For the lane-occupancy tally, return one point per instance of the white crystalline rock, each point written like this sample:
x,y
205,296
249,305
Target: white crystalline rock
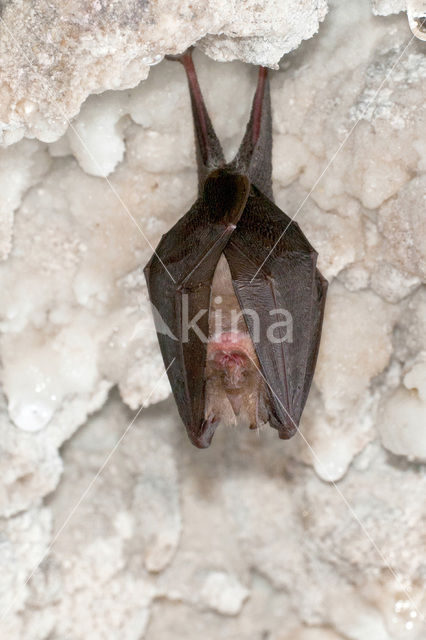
x,y
38,377
402,413
416,13
20,168
223,593
391,284
98,559
53,56
313,634
30,463
259,541
359,327
63,304
403,224
249,538
96,139
415,378
386,7
327,528
402,423
25,540
356,347
255,26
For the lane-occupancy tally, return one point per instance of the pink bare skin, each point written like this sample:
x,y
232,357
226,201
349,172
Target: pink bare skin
x,y
235,391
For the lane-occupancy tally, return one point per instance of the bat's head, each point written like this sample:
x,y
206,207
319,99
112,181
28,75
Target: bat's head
x,y
234,387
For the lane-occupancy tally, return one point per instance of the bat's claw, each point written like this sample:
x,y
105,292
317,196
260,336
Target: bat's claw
x,y
179,57
286,433
203,438
286,430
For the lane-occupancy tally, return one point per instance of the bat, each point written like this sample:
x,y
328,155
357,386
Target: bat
x,y
235,284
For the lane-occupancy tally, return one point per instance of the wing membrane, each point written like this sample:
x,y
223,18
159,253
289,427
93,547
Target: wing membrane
x,y
267,279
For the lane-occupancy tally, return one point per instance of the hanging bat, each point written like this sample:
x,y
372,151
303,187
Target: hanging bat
x,y
223,275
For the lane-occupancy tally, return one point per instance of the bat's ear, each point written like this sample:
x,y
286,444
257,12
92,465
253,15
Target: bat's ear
x,y
209,152
254,156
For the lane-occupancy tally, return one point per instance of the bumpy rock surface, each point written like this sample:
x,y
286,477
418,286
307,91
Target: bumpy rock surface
x,y
53,55
386,7
122,529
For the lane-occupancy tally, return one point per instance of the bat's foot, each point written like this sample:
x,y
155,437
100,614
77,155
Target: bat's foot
x,y
203,438
181,57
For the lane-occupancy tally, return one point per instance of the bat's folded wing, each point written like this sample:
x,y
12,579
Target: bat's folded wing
x,y
274,274
179,278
